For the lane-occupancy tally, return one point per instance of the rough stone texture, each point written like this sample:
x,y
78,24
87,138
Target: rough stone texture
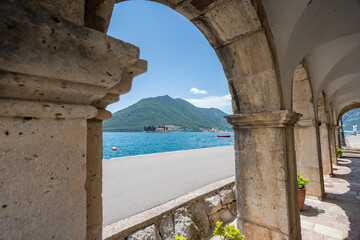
x,y
324,136
213,218
47,46
43,171
184,226
93,184
308,161
70,10
332,144
212,204
233,19
260,153
225,215
325,149
232,208
195,210
226,196
250,71
53,71
167,228
98,14
149,233
307,136
200,218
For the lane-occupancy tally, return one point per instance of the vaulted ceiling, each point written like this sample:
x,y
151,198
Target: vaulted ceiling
x,y
327,34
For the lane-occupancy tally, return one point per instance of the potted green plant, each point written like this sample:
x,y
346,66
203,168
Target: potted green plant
x,y
339,152
302,182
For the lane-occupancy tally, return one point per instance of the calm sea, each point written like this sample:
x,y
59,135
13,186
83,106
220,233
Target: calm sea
x,y
136,143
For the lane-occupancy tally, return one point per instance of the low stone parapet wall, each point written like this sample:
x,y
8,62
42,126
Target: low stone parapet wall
x,y
193,215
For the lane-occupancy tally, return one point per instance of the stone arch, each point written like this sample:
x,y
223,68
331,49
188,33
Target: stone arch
x,y
239,34
307,141
241,37
345,110
88,70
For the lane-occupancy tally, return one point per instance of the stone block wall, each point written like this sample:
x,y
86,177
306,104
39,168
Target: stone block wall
x,y
193,216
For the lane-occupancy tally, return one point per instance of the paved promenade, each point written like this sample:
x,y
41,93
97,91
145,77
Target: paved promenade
x,y
134,184
353,141
338,216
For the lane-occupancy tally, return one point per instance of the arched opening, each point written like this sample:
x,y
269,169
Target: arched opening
x,y
60,71
241,42
182,69
349,122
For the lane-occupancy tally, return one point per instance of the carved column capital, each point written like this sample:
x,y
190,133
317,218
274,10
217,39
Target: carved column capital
x,y
307,123
53,68
274,119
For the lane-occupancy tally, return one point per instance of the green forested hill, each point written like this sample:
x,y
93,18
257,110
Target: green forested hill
x,y
350,118
158,111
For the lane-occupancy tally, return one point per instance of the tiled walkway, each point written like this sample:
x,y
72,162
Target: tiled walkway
x,y
338,216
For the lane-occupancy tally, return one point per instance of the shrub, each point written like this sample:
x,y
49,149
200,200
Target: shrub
x,y
227,232
302,182
179,238
339,151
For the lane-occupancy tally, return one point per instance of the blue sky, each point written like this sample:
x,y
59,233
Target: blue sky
x,y
181,62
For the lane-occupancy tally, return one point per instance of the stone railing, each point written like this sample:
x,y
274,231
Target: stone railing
x,y
193,215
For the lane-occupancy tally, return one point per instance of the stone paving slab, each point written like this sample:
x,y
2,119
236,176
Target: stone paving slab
x,y
338,216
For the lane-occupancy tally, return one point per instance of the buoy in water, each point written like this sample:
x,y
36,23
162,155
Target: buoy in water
x,y
114,148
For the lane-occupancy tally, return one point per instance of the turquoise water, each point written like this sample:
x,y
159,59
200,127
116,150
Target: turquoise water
x,y
136,143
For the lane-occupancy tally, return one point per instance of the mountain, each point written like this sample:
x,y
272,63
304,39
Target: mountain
x,y
158,111
350,118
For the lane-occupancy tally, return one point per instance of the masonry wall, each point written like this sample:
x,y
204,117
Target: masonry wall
x,y
193,216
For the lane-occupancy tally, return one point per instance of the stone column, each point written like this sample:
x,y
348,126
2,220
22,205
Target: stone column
x,y
325,149
308,156
52,73
332,139
337,136
93,184
266,175
307,137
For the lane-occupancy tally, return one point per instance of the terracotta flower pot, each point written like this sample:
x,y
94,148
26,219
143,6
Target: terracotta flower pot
x,y
301,196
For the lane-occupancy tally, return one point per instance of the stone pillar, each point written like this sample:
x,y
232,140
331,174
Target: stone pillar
x,y
93,184
266,175
308,156
332,139
307,137
325,149
337,136
52,74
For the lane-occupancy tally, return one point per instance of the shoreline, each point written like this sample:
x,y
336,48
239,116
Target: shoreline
x,y
161,153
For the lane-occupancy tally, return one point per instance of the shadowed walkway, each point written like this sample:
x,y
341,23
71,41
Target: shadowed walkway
x,y
338,216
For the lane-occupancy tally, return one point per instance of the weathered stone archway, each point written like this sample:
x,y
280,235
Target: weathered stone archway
x,y
76,71
241,40
307,141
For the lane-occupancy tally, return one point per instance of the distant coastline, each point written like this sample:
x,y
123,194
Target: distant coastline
x,y
140,143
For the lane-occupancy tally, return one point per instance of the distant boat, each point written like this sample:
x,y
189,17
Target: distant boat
x,y
223,135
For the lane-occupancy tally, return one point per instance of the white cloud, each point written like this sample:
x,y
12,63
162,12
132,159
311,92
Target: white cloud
x,y
221,102
194,90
